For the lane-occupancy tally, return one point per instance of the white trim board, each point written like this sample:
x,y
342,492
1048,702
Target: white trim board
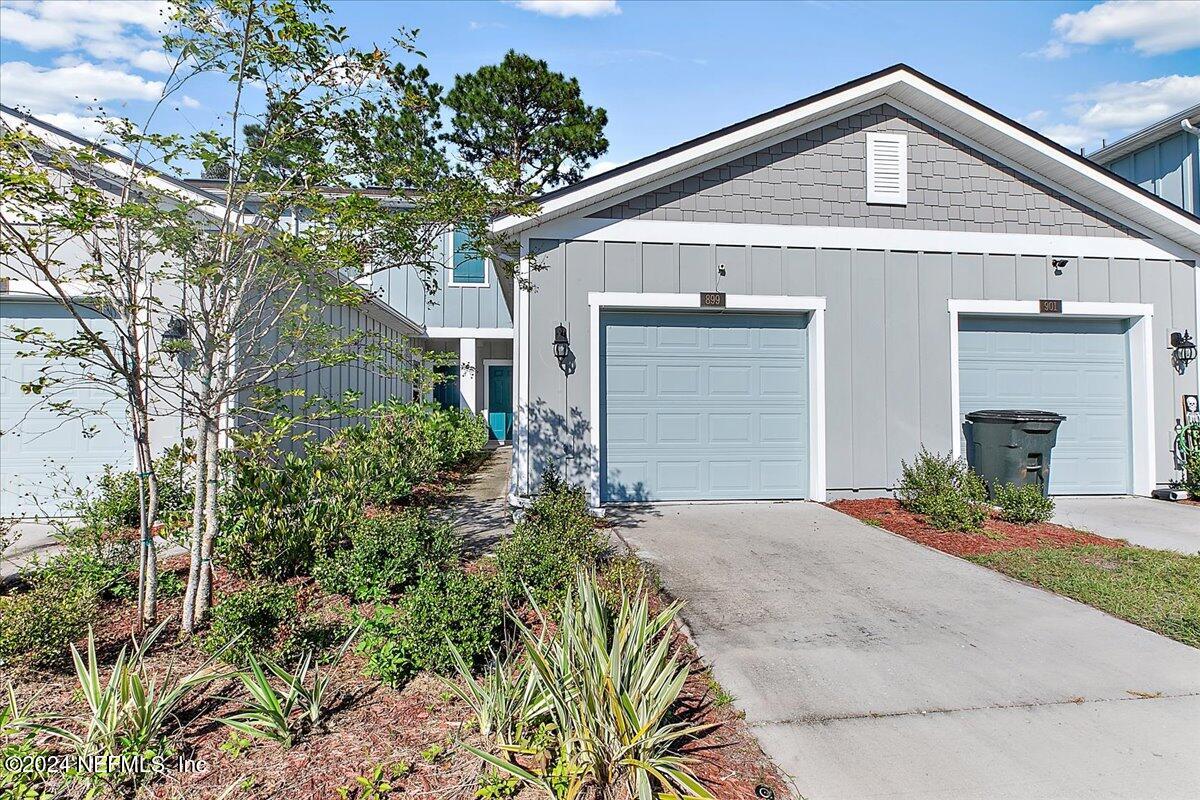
x,y
1141,377
815,306
765,235
488,363
467,333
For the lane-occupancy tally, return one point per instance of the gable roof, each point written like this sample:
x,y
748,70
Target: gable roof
x,y
973,121
1162,129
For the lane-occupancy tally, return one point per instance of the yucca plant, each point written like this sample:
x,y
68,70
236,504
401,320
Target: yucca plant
x,y
269,715
132,713
610,682
507,700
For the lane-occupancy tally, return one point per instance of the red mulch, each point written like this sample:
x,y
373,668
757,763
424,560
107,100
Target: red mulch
x,y
996,535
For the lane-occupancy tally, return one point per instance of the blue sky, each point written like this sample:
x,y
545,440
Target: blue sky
x,y
668,71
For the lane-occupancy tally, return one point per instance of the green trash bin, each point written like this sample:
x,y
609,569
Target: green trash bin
x,y
1010,446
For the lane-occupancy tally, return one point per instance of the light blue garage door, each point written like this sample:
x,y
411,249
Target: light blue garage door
x,y
704,406
1078,368
41,452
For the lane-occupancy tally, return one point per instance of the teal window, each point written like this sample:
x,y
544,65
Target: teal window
x,y
468,268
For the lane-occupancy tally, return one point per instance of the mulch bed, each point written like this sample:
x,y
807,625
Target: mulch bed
x,y
413,733
997,535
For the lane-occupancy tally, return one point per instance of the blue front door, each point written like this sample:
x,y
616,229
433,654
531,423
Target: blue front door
x,y
500,410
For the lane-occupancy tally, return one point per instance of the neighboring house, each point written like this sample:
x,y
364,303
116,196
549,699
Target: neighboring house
x,y
878,254
40,451
1163,158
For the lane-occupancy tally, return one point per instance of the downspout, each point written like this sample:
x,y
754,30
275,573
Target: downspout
x,y
1189,128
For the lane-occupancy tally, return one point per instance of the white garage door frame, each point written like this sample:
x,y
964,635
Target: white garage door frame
x,y
656,301
1141,316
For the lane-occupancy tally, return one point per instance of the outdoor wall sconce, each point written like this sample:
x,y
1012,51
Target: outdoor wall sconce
x,y
562,349
1184,350
1059,264
175,342
562,344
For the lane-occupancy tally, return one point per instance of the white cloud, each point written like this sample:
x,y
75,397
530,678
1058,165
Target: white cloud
x,y
1118,106
109,30
1115,109
601,166
1154,27
570,8
153,61
1033,117
89,127
51,90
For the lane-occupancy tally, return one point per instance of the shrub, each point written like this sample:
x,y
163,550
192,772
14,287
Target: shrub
x,y
111,504
405,444
316,635
36,626
104,559
446,608
945,490
556,538
385,555
247,622
1024,505
285,504
280,511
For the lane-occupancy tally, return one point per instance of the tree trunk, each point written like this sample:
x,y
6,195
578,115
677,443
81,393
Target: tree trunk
x,y
199,486
204,594
150,610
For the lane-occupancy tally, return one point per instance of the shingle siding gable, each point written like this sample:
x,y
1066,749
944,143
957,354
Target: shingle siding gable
x,y
819,178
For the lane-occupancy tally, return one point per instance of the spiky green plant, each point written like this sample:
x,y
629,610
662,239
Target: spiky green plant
x,y
610,682
133,713
269,714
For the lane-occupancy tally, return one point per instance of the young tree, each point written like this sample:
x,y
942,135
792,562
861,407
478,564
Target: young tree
x,y
77,227
297,233
526,124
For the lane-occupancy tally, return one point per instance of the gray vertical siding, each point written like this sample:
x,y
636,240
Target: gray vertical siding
x,y
887,357
448,306
374,380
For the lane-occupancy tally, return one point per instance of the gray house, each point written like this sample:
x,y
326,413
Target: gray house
x,y
789,306
41,453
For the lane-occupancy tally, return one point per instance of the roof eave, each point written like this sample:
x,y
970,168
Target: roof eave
x,y
972,120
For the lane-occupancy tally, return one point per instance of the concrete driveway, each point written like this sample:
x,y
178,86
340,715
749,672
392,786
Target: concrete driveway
x,y
873,667
1151,523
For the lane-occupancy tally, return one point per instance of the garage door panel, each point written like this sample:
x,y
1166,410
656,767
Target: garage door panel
x,y
725,408
40,450
1078,368
677,429
727,381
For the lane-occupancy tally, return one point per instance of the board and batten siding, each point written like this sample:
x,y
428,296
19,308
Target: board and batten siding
x,y
448,306
375,380
887,357
1170,168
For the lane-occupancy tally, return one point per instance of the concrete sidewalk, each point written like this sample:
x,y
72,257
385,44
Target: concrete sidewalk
x,y
1150,523
873,667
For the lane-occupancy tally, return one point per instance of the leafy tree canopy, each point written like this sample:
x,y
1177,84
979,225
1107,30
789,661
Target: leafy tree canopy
x,y
527,125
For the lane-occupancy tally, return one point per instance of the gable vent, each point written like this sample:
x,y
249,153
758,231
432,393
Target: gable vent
x,y
887,168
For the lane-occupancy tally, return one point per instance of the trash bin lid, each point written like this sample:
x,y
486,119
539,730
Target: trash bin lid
x,y
1014,415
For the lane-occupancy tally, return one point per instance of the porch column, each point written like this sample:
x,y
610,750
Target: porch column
x,y
468,369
